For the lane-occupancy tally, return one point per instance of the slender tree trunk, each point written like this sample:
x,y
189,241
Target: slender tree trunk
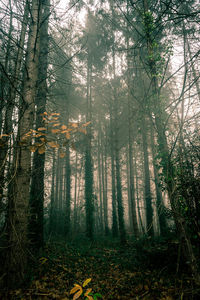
x,y
128,191
114,202
147,186
104,184
137,195
3,82
16,261
11,97
60,223
68,192
132,200
52,204
120,208
57,185
132,187
159,198
75,193
79,202
37,186
100,176
89,197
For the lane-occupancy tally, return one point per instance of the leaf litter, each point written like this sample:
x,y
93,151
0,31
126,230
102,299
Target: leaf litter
x,y
112,273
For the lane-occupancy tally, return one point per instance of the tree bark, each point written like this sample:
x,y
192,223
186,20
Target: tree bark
x,y
7,129
37,186
147,184
16,260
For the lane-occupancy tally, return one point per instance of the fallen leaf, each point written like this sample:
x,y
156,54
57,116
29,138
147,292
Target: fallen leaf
x,y
86,282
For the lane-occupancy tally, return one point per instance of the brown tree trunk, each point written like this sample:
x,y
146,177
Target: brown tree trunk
x,y
7,129
147,185
37,185
16,260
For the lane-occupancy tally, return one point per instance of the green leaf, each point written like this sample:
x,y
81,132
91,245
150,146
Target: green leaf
x,y
97,295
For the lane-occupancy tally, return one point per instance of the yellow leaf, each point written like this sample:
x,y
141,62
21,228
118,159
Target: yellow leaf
x,y
45,113
63,127
83,130
43,260
86,281
75,125
43,139
55,114
64,131
53,144
87,292
67,135
75,289
56,124
62,154
55,130
41,149
86,124
38,144
77,295
39,134
33,148
41,128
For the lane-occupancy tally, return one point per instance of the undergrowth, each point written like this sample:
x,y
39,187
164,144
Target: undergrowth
x,y
140,269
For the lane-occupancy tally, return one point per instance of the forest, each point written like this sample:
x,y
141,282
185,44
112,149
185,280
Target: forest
x,y
99,149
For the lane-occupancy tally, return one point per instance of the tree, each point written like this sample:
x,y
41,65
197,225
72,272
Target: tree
x,y
37,181
17,220
168,168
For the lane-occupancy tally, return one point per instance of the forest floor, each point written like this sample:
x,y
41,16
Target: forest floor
x,y
135,271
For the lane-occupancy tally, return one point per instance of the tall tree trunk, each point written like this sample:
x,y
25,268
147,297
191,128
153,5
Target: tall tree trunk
x,y
67,205
75,193
79,202
3,82
132,184
52,204
104,183
120,208
128,191
16,260
147,185
114,202
137,196
89,197
37,186
99,150
159,198
60,220
7,129
132,200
